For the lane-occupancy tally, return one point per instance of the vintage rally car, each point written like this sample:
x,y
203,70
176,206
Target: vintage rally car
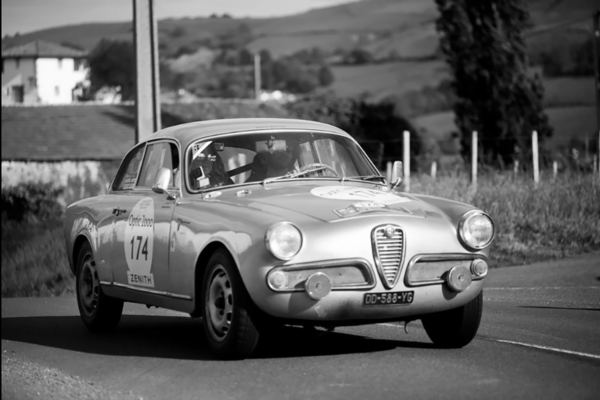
x,y
252,224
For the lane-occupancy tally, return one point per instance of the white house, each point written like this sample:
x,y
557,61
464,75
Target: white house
x,y
42,73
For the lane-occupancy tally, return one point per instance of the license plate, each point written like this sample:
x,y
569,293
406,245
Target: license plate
x,y
388,299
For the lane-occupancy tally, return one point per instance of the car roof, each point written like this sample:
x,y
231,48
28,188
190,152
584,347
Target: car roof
x,y
190,132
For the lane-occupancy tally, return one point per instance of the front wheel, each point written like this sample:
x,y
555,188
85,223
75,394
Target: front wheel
x,y
229,328
457,327
99,312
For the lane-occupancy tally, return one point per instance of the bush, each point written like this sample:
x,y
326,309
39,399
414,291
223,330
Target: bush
x,y
31,202
369,123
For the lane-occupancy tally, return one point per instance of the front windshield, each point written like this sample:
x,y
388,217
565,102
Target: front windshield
x,y
246,158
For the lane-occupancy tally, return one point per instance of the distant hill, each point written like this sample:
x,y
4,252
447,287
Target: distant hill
x,y
402,28
405,27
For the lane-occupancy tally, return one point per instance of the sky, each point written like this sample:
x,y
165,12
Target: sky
x,y
26,16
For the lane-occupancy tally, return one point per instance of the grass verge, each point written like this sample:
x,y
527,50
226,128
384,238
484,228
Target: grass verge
x,y
553,219
34,260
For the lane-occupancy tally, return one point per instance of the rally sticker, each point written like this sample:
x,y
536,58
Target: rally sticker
x,y
358,194
367,206
139,243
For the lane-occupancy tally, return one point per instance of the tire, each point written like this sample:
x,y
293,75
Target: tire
x,y
457,327
99,312
226,309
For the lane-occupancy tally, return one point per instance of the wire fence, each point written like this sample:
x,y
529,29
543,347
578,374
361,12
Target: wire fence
x,y
528,160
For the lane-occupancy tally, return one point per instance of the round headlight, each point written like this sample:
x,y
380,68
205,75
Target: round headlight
x,y
283,240
476,230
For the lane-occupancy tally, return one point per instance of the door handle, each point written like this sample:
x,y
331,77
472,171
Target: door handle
x,y
118,211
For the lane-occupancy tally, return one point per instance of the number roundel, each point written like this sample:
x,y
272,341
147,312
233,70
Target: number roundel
x,y
139,243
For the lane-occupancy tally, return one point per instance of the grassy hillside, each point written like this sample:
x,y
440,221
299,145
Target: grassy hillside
x,y
381,80
568,122
382,26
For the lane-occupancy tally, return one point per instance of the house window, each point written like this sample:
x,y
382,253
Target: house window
x,y
17,62
32,81
56,90
59,63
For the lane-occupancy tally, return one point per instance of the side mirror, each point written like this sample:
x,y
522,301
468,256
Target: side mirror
x,y
396,174
161,184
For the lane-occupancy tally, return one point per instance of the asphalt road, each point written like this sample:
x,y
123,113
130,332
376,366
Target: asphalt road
x,y
539,338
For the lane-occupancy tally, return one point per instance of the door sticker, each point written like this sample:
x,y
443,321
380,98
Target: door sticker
x,y
358,194
139,243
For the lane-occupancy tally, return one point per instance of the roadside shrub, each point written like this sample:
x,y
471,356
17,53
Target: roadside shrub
x,y
31,202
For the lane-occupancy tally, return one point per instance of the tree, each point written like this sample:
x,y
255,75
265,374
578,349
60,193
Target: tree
x,y
112,64
325,76
482,42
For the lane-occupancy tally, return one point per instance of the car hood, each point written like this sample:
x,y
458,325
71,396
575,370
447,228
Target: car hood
x,y
330,202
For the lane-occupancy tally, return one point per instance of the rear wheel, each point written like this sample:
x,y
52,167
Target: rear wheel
x,y
226,316
99,312
457,327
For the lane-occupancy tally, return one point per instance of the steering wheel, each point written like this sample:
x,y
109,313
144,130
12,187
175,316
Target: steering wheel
x,y
318,165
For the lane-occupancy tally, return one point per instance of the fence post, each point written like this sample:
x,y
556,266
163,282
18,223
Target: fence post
x,y
554,169
474,159
516,167
406,148
534,148
257,77
433,169
388,171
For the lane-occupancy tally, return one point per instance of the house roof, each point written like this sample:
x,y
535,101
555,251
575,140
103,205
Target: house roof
x,y
40,48
53,133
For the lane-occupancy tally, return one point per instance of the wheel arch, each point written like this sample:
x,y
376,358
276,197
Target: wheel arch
x,y
199,269
79,241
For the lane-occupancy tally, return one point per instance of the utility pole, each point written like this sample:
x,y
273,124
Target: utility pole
x,y
147,85
257,78
597,67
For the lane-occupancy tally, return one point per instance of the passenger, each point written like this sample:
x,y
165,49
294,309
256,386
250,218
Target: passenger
x,y
207,170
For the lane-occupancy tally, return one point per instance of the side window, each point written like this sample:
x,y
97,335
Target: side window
x,y
160,155
128,173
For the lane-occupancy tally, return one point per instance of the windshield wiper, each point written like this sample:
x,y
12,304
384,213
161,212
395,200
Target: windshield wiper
x,y
368,178
291,175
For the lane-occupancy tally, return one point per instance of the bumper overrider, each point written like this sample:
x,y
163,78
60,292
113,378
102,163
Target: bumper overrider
x,y
350,290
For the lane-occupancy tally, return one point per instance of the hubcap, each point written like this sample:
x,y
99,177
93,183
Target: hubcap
x,y
89,285
219,303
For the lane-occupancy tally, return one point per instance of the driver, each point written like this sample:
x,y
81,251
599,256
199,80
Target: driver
x,y
279,162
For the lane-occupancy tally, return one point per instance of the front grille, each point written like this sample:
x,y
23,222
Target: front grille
x,y
388,251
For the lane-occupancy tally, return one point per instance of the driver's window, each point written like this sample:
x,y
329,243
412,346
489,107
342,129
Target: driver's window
x,y
160,155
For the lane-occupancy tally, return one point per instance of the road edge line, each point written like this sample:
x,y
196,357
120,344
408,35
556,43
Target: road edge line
x,y
577,353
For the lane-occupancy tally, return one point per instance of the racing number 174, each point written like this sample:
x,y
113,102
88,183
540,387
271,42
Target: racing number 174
x,y
144,249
